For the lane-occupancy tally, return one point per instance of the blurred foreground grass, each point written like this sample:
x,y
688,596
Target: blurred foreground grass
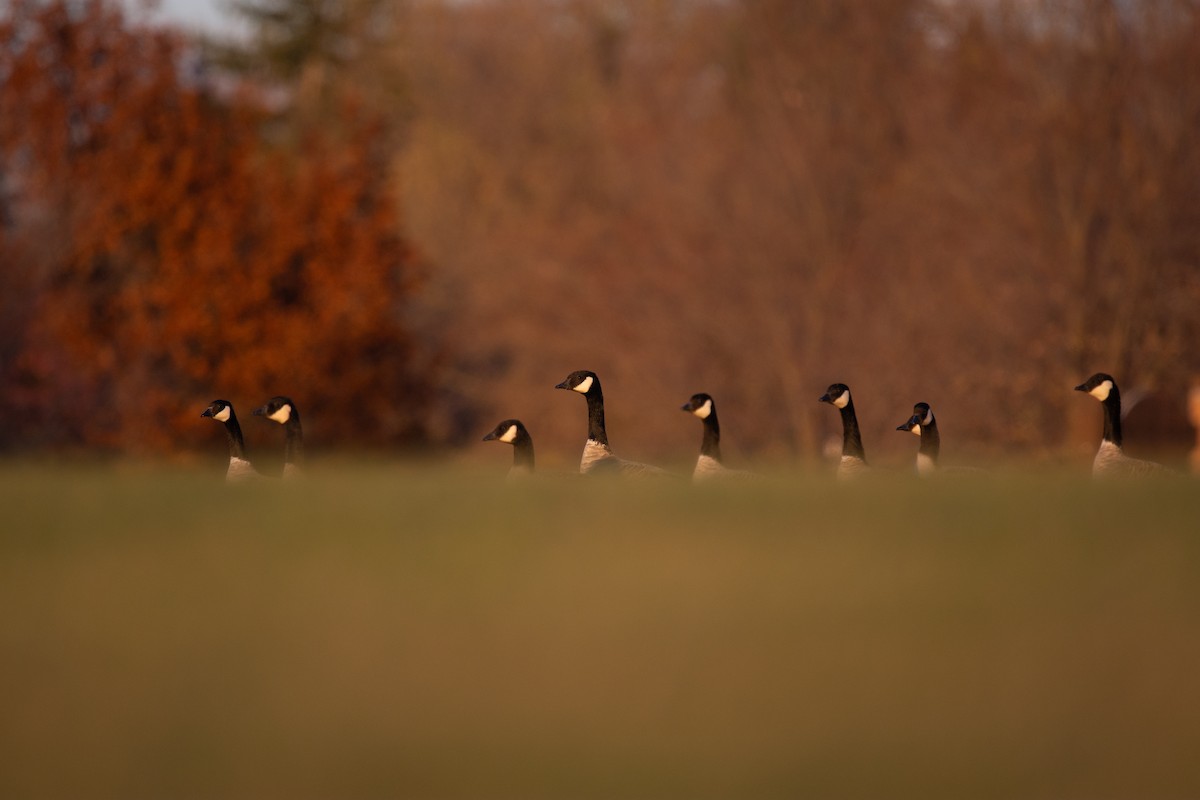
x,y
393,632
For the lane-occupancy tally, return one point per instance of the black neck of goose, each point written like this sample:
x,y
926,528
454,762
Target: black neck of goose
x,y
1112,417
710,445
293,450
595,401
931,440
851,438
523,451
233,431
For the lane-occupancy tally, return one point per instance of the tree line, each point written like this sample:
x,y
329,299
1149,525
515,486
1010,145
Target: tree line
x,y
420,214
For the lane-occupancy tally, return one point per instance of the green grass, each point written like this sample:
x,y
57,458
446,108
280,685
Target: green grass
x,y
386,632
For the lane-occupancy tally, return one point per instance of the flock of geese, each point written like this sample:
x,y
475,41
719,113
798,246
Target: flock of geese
x,y
599,459
278,409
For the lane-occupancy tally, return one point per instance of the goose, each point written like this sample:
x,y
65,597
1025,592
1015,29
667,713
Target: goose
x,y
511,431
283,410
1111,460
854,460
240,468
709,465
924,424
598,457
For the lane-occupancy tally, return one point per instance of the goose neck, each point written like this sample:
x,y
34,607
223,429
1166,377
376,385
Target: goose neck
x,y
237,444
523,453
931,441
710,445
293,452
1112,417
851,437
595,403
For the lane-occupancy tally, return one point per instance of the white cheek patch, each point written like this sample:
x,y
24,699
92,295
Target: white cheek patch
x,y
705,410
928,418
1102,391
509,435
843,400
222,415
282,415
916,429
584,386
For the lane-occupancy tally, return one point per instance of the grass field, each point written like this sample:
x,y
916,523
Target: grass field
x,y
394,632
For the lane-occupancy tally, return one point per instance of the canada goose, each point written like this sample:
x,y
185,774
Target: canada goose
x,y
511,431
598,457
283,410
924,425
709,464
240,467
1111,460
854,460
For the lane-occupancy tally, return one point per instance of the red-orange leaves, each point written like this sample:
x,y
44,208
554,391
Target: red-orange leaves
x,y
165,251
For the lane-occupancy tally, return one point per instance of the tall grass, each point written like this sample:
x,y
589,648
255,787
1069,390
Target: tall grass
x,y
390,632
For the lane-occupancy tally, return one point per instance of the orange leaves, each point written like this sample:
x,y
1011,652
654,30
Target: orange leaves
x,y
187,255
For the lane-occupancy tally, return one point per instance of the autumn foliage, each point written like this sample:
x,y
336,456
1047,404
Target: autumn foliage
x,y
160,249
970,204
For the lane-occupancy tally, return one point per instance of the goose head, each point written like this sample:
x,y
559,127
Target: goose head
x,y
220,410
278,409
1099,386
583,381
507,431
837,395
922,415
700,404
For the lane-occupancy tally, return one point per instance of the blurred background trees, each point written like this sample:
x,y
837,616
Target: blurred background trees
x,y
160,248
971,204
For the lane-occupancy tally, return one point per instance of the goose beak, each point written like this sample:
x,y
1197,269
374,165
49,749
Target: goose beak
x,y
492,435
1081,388
912,423
206,412
825,398
562,385
686,407
260,412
